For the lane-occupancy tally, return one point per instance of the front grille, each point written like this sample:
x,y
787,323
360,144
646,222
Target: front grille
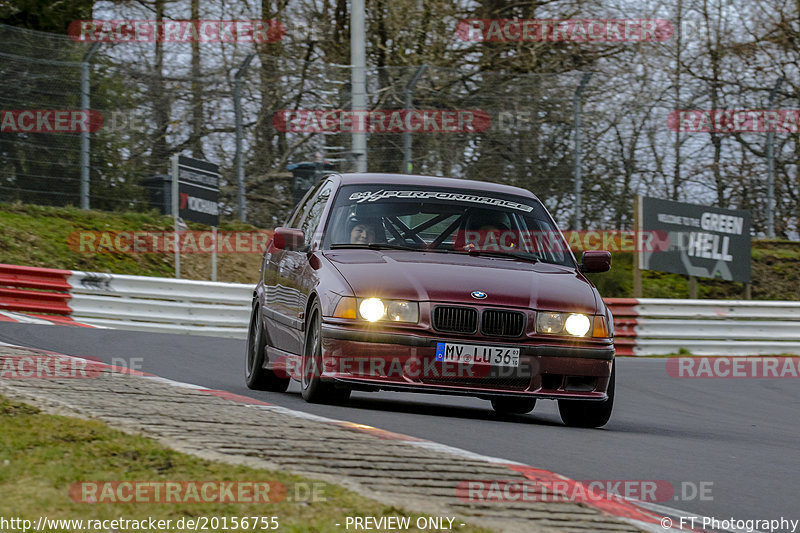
x,y
455,319
498,323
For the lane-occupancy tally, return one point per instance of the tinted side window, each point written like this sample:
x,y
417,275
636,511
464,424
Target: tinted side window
x,y
313,211
302,207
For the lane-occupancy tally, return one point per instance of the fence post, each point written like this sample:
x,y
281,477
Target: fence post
x,y
85,159
358,84
637,253
771,166
174,192
408,104
237,110
576,122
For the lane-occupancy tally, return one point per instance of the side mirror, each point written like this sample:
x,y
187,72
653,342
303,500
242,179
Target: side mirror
x,y
288,239
595,261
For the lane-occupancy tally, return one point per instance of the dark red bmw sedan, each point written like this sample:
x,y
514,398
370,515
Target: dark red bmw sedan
x,y
435,285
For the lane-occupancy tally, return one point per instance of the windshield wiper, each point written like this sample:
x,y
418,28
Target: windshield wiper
x,y
499,253
376,246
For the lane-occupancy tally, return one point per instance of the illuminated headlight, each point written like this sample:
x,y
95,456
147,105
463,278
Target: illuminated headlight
x,y
374,309
553,323
577,325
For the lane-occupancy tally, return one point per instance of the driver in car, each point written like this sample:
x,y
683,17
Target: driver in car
x,y
489,229
361,231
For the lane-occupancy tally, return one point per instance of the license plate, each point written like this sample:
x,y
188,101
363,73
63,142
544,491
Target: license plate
x,y
476,354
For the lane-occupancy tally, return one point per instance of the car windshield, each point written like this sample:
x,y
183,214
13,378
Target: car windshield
x,y
445,220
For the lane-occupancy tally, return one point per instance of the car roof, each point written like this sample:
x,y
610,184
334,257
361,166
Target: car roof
x,y
434,181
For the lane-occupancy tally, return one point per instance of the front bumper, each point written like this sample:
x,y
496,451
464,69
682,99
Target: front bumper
x,y
407,362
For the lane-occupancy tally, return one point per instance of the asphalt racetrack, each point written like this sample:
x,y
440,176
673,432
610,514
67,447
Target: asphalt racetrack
x,y
738,438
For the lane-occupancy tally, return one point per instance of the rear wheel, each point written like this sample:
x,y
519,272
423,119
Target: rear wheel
x,y
258,377
314,390
582,414
513,406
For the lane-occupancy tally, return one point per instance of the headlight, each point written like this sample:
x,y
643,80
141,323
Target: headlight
x,y
376,309
577,325
553,323
372,309
402,311
547,322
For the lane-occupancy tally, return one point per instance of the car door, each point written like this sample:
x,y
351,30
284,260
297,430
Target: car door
x,y
292,277
280,297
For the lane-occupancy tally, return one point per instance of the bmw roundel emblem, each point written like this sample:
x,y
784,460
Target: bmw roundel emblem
x,y
480,295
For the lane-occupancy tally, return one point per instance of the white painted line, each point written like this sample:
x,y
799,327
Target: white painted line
x,y
174,383
25,319
444,448
296,414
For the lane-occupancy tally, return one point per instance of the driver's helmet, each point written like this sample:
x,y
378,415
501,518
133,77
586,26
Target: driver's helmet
x,y
481,218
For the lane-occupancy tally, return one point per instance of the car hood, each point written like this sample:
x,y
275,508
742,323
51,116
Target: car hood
x,y
440,277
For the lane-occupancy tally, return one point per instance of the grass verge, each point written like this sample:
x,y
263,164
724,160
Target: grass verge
x,y
35,235
42,455
774,277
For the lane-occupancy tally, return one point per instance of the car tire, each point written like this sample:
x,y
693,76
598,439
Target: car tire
x,y
312,388
582,414
256,376
513,406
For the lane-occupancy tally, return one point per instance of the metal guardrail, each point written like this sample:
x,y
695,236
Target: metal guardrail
x,y
31,289
164,305
642,326
649,326
138,303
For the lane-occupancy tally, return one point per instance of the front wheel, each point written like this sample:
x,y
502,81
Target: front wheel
x,y
582,414
313,389
513,406
256,376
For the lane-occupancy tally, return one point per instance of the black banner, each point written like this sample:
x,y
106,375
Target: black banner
x,y
198,191
706,242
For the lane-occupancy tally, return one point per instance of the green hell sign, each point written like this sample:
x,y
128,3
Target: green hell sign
x,y
706,242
